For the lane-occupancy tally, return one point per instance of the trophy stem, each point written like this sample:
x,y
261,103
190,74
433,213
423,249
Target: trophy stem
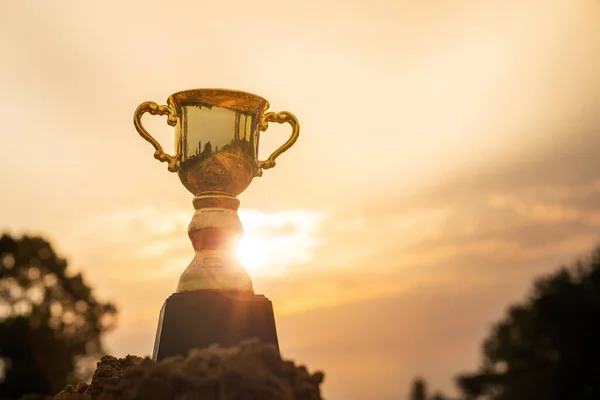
x,y
215,301
215,231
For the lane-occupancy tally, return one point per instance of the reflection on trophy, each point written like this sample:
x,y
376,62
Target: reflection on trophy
x,y
216,157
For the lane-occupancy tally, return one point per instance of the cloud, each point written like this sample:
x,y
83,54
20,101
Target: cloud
x,y
424,306
316,259
389,291
519,222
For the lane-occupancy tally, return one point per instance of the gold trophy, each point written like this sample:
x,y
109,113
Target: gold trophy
x,y
216,157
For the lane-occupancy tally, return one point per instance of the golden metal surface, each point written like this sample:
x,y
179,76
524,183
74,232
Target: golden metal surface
x,y
154,109
280,118
216,157
216,138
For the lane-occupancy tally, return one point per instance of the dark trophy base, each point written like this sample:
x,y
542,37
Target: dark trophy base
x,y
200,318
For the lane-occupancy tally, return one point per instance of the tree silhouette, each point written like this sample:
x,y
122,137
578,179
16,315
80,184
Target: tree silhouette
x,y
548,347
50,322
207,149
419,390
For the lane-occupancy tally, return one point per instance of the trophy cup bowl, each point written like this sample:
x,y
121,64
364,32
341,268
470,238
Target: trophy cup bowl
x,y
216,138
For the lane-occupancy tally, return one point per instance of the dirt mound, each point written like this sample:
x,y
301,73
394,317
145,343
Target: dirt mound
x,y
252,371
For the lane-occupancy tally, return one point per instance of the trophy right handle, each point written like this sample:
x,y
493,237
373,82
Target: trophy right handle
x,y
154,109
280,118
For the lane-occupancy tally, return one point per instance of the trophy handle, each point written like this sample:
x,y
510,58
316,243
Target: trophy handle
x,y
154,109
280,118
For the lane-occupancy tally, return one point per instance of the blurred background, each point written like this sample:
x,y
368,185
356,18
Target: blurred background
x,y
447,157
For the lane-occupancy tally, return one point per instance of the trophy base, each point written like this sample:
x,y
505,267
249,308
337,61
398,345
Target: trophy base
x,y
200,318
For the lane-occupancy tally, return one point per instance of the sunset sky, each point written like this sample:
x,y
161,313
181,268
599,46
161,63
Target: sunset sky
x,y
448,154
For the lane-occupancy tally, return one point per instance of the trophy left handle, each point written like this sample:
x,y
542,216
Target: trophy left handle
x,y
280,118
152,108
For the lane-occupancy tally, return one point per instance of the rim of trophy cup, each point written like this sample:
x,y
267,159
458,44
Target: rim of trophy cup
x,y
228,98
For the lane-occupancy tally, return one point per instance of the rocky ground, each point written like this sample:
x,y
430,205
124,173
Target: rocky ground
x,y
252,371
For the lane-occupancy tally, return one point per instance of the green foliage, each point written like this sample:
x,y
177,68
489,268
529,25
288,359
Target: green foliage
x,y
548,347
50,322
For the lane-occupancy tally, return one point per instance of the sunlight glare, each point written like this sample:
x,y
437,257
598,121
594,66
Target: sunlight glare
x,y
274,242
252,252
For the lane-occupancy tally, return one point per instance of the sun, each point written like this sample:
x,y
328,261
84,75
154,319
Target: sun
x,y
253,252
274,242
